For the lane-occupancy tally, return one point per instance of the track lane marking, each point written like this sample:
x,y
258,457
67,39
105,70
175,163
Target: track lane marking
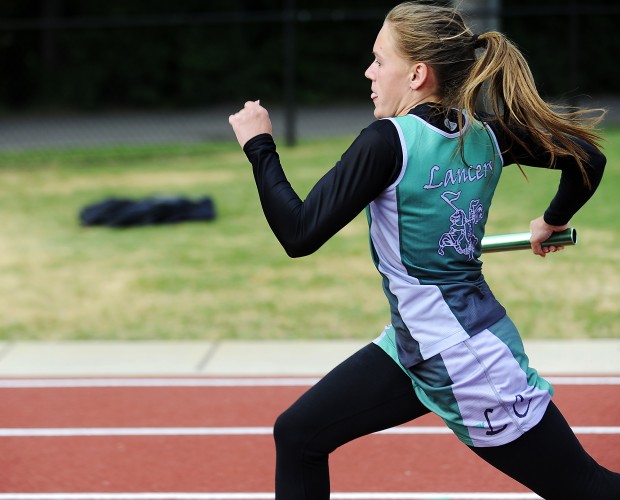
x,y
230,431
52,383
268,496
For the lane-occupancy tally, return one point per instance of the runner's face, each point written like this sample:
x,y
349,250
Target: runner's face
x,y
390,75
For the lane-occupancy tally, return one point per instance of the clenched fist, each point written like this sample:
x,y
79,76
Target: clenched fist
x,y
250,121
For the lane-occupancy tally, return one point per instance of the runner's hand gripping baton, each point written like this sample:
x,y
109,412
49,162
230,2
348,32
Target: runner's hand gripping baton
x,y
521,241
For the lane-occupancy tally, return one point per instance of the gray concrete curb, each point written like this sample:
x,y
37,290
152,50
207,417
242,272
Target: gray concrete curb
x,y
256,358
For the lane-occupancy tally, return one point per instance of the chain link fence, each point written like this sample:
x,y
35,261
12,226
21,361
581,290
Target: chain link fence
x,y
295,112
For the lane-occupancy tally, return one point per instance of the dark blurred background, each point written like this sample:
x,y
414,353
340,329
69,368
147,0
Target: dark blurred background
x,y
90,56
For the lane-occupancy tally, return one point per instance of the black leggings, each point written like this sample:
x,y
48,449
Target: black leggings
x,y
368,392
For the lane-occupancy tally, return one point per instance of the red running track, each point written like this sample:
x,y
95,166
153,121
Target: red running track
x,y
206,438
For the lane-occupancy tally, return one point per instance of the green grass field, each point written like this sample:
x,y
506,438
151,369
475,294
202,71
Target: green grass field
x,y
230,279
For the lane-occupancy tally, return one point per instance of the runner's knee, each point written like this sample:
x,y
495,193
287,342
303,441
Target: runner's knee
x,y
288,431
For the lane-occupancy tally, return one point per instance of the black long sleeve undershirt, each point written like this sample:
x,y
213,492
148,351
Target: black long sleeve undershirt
x,y
363,172
572,191
368,167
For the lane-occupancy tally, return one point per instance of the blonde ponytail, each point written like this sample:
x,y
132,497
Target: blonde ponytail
x,y
502,74
487,73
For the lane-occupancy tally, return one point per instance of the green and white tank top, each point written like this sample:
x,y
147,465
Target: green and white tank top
x,y
425,235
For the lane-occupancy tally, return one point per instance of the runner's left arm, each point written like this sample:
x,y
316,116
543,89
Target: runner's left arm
x,y
369,165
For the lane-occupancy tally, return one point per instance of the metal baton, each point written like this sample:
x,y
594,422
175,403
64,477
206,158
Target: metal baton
x,y
521,241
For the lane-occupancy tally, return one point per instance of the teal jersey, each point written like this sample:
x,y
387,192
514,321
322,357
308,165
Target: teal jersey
x,y
426,231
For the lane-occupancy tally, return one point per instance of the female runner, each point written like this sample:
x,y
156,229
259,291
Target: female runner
x,y
425,172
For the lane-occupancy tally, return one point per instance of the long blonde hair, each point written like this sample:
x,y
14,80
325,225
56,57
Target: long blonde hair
x,y
496,78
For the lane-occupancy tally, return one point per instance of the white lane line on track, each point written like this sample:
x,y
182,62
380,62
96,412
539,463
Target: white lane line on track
x,y
227,431
266,496
52,383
